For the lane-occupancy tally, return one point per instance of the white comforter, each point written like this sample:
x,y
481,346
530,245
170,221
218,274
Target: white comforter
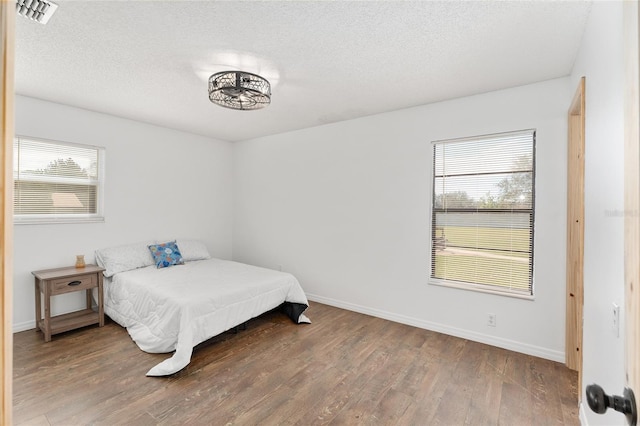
x,y
178,307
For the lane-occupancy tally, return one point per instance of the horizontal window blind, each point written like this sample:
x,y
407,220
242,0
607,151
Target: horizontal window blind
x,y
483,212
56,181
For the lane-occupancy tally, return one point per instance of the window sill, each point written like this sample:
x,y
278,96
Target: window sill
x,y
57,220
479,289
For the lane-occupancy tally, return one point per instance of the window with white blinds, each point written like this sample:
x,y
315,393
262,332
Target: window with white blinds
x,y
483,213
57,181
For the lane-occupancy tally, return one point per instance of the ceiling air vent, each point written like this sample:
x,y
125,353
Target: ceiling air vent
x,y
36,10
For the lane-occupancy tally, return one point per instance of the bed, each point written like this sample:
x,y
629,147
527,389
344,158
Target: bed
x,y
175,307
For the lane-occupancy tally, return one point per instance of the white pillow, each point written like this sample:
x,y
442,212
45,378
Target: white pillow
x,y
192,250
124,258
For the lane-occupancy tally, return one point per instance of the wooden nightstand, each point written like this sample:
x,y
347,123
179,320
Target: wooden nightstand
x,y
50,282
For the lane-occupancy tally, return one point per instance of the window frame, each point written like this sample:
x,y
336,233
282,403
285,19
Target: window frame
x,y
477,287
64,218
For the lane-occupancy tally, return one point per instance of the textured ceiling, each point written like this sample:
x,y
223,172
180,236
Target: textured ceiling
x,y
327,61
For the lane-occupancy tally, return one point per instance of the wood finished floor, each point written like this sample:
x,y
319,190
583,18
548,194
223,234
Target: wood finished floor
x,y
345,368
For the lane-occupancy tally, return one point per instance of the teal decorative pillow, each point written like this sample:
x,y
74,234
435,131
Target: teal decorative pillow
x,y
166,254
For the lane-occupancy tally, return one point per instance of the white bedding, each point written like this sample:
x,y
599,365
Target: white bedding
x,y
178,307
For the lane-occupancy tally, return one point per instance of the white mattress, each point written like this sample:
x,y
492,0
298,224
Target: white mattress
x,y
176,308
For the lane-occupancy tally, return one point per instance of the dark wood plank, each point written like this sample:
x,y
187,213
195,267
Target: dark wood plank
x,y
344,368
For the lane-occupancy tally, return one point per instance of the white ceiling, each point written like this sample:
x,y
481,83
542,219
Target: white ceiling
x,y
327,61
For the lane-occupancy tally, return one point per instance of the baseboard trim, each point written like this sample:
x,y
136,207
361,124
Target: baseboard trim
x,y
500,342
415,322
23,326
583,415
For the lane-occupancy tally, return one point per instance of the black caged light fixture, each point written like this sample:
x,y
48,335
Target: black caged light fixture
x,y
239,90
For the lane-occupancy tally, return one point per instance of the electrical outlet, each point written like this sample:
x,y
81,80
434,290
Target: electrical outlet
x,y
615,324
491,320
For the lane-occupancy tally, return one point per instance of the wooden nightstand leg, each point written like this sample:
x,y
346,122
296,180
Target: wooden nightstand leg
x,y
47,313
100,299
88,294
38,305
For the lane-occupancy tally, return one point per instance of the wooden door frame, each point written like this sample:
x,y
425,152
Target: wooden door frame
x,y
632,196
575,231
7,46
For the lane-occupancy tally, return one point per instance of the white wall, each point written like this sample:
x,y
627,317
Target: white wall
x,y
600,60
345,207
160,183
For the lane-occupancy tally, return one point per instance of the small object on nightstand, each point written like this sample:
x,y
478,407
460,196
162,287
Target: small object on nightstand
x,y
80,261
50,282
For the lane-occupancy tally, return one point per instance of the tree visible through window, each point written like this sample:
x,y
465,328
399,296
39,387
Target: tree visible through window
x,y
55,181
483,212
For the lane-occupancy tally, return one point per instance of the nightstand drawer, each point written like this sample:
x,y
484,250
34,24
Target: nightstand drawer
x,y
80,282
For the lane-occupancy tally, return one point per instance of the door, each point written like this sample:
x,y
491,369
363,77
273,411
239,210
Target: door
x,y
632,196
597,399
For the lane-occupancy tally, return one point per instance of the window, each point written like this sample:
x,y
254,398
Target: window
x,y
483,213
57,181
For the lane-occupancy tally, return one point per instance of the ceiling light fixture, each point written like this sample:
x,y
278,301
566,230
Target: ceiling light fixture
x,y
239,90
36,10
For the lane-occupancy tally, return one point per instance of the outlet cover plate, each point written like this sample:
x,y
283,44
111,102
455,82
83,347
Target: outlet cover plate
x,y
491,320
